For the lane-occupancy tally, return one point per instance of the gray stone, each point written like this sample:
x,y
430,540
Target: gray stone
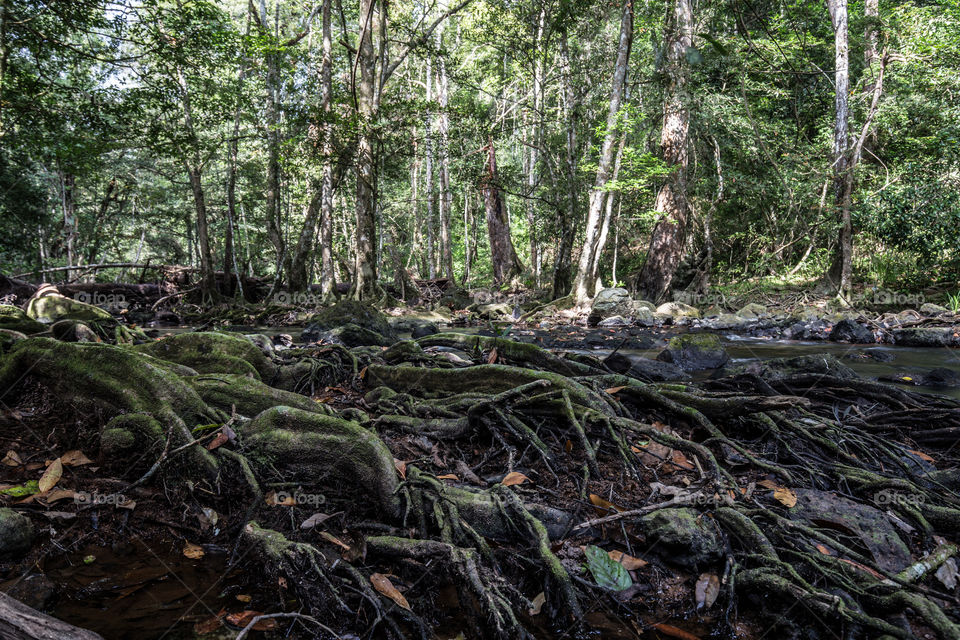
x,y
695,352
613,321
923,337
682,538
930,309
752,310
16,533
678,310
849,331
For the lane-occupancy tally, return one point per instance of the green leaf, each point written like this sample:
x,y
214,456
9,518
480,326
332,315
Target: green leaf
x,y
22,491
607,572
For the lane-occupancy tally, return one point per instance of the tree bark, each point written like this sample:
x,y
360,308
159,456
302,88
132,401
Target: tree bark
x,y
428,172
506,264
274,229
20,622
585,282
71,225
842,267
667,240
567,216
445,200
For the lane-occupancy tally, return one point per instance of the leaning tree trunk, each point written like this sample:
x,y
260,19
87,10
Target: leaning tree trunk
x,y
506,264
585,282
842,267
667,241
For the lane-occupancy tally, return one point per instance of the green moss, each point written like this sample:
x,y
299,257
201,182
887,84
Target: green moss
x,y
114,441
52,307
212,352
249,396
14,319
8,338
352,312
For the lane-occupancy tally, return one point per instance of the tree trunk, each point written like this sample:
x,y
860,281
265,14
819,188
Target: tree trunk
x,y
274,230
506,264
585,282
446,196
328,281
20,622
842,267
365,285
71,225
428,168
567,218
667,240
467,246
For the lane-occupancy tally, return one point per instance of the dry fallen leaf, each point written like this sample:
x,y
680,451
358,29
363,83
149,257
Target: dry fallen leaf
x,y
681,460
923,456
401,468
707,590
538,602
75,458
785,496
825,551
193,551
448,476
218,441
242,597
12,459
244,618
629,562
382,584
948,574
604,507
493,356
514,477
58,494
51,476
211,624
613,390
329,537
674,632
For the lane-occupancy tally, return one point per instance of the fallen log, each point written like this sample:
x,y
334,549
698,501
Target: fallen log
x,y
20,622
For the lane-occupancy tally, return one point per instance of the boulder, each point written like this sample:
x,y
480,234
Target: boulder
x,y
677,310
608,303
47,306
352,335
645,369
14,319
849,331
348,312
695,352
923,337
73,331
644,316
683,538
752,311
776,368
16,533
8,338
613,321
930,309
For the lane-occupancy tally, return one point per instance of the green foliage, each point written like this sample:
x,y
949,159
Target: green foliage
x,y
607,572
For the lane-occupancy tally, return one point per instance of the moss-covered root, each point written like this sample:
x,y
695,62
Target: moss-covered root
x,y
473,581
487,378
116,379
307,447
229,391
210,352
516,353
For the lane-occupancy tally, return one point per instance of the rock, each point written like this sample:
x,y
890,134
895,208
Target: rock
x,y
424,328
726,321
14,319
849,331
876,355
352,335
644,316
8,338
677,310
348,312
16,533
752,311
695,352
930,309
807,330
613,321
923,337
644,304
777,368
682,538
47,306
608,303
73,331
494,311
645,369
262,342
35,590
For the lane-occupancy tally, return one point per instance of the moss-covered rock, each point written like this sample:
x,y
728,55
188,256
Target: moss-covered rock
x,y
14,319
683,538
923,337
695,352
930,309
47,306
115,441
752,311
352,335
348,312
73,331
307,447
677,310
129,431
777,368
8,338
16,533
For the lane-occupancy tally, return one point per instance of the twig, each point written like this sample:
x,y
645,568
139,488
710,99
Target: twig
x,y
642,511
298,616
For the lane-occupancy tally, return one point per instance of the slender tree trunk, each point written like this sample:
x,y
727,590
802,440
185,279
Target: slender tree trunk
x,y
273,199
585,282
4,55
841,270
71,228
567,218
328,281
467,246
428,169
506,264
365,285
445,200
667,240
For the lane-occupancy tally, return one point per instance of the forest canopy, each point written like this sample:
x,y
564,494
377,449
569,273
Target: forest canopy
x,y
654,145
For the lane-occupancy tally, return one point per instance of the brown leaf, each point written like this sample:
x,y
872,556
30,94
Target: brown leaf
x,y
282,499
58,494
785,496
514,477
193,551
242,597
674,632
382,584
538,601
493,356
613,390
363,372
922,456
681,460
401,468
218,441
568,446
822,549
75,458
211,624
12,459
329,537
448,476
51,476
629,562
863,568
244,618
707,590
604,507
314,520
